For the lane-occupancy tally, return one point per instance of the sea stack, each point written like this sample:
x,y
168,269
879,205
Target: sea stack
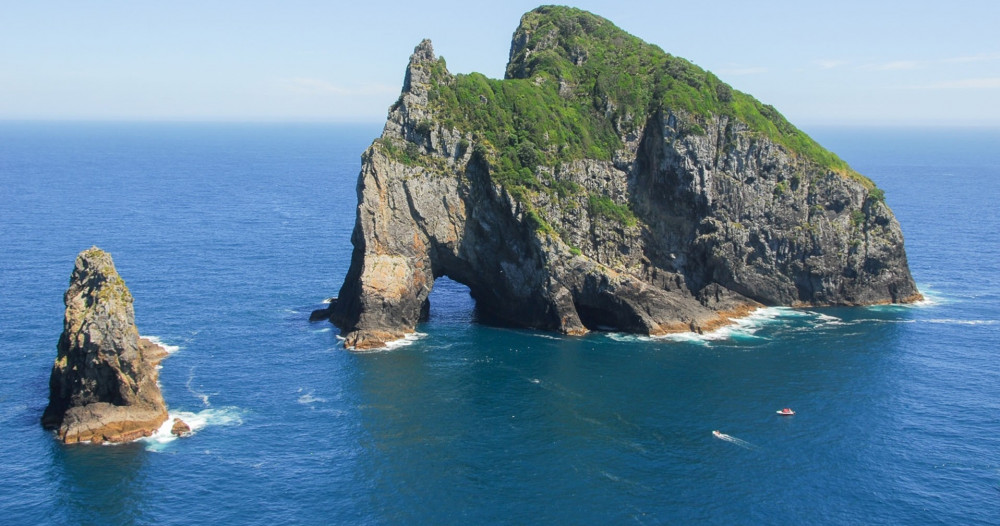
x,y
604,184
103,386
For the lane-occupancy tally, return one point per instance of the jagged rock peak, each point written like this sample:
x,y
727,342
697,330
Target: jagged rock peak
x,y
604,184
103,384
418,70
424,52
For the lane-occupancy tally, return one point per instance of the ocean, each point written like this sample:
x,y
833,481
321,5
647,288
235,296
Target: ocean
x,y
229,235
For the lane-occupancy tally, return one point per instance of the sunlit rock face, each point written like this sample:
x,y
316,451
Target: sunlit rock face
x,y
604,184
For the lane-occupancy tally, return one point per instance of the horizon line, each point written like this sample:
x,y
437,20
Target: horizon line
x,y
373,122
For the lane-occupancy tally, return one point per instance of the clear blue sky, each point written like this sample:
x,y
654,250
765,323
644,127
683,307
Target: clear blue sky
x,y
834,62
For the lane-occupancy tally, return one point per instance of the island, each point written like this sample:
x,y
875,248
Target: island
x,y
103,386
604,184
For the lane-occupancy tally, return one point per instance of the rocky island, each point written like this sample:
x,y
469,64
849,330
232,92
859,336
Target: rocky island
x,y
604,184
103,383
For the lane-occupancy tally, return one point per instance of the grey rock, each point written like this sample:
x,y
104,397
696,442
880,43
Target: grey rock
x,y
726,221
103,385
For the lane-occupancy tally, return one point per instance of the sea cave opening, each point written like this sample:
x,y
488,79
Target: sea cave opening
x,y
598,319
451,303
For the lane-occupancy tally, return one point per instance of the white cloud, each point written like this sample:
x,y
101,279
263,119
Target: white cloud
x,y
321,87
895,65
980,83
905,65
734,72
982,57
830,64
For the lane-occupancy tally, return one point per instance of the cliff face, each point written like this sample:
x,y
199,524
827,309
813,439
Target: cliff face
x,y
604,184
103,383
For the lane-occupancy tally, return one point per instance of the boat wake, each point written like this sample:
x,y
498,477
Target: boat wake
x,y
202,396
733,440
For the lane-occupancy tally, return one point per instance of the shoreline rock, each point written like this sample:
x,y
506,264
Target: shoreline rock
x,y
103,386
180,428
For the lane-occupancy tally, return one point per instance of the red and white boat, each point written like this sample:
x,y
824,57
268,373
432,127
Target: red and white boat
x,y
786,412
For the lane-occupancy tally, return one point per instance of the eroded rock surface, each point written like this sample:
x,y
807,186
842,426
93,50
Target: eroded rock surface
x,y
695,216
180,428
103,383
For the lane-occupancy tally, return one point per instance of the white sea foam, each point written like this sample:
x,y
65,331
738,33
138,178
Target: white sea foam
x,y
931,298
949,321
202,396
409,339
739,328
324,329
171,349
745,327
328,300
226,416
308,398
829,320
623,337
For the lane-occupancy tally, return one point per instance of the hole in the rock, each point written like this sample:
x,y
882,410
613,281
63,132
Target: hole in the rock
x,y
451,302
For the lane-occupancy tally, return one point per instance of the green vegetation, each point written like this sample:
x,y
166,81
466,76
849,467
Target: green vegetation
x,y
113,289
608,68
538,222
576,85
602,205
408,155
857,218
424,127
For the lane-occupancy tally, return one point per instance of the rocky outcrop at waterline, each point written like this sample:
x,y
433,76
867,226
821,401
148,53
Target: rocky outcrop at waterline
x,y
103,385
604,184
180,428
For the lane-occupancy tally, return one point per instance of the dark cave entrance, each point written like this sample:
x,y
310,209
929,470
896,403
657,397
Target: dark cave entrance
x,y
597,319
608,315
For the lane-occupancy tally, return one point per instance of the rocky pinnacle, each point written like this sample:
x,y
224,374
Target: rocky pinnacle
x,y
103,383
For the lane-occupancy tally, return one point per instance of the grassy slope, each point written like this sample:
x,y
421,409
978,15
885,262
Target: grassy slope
x,y
611,81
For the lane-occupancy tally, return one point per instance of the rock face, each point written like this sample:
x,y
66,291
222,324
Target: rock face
x,y
103,383
604,184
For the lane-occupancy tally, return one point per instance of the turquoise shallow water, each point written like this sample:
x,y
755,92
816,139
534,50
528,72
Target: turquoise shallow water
x,y
229,235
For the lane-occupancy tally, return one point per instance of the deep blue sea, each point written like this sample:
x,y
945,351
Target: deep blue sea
x,y
230,234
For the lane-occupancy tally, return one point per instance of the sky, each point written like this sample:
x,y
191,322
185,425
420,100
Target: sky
x,y
844,62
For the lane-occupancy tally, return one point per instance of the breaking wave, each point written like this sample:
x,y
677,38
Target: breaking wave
x,y
171,349
405,341
739,328
226,416
950,321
